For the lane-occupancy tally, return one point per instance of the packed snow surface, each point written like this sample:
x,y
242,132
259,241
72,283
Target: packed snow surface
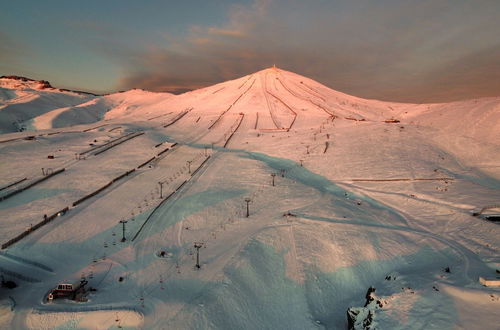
x,y
342,194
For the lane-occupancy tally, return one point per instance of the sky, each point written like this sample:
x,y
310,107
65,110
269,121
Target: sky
x,y
398,50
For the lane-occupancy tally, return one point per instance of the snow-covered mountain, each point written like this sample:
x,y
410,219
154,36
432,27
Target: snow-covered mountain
x,y
23,99
342,194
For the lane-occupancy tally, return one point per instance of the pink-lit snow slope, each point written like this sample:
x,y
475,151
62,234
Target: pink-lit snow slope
x,y
366,194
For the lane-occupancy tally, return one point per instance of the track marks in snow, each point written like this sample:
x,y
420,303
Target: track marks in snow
x,y
295,265
311,91
249,77
25,261
231,105
273,108
468,257
307,99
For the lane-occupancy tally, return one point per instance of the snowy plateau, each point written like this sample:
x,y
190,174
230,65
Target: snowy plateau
x,y
133,190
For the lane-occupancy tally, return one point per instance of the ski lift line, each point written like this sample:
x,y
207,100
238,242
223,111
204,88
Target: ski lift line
x,y
105,275
13,139
172,148
289,108
269,103
201,165
286,105
167,198
264,91
117,178
149,160
151,214
33,228
240,246
103,145
309,100
162,115
218,90
118,143
115,128
123,175
31,137
238,126
159,144
220,116
179,187
92,128
304,98
30,184
13,184
61,132
311,91
224,138
179,117
245,81
92,194
230,106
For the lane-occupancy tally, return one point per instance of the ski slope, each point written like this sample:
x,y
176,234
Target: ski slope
x,y
367,194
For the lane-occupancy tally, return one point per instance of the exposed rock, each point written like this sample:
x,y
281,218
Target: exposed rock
x,y
41,84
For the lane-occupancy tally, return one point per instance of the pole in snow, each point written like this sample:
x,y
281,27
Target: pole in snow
x,y
198,246
123,222
273,175
161,189
248,200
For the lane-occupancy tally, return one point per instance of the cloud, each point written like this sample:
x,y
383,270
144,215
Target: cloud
x,y
225,32
11,51
475,74
413,51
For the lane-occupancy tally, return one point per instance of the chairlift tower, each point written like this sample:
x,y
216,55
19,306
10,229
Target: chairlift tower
x,y
248,200
123,222
198,246
161,189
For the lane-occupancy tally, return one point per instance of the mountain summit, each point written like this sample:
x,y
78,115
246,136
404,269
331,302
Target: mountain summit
x,y
273,98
